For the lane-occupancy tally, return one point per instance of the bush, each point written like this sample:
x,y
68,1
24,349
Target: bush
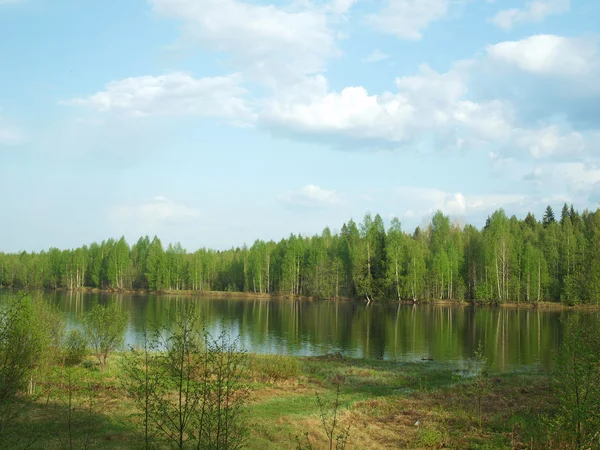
x,y
191,394
577,385
432,437
30,334
105,326
76,347
275,367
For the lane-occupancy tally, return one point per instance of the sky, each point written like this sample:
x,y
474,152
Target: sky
x,y
218,122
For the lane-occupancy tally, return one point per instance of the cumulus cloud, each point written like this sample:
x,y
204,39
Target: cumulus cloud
x,y
547,78
548,54
426,103
467,107
579,179
534,11
549,141
171,94
375,56
423,202
270,43
406,19
310,195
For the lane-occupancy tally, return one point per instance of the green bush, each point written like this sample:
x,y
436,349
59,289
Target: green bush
x,y
76,347
275,367
105,326
431,437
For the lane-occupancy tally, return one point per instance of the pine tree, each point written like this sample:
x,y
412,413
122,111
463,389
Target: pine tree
x,y
548,217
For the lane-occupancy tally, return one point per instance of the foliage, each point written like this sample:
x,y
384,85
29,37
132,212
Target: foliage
x,y
105,325
432,437
190,395
30,335
509,260
274,368
76,347
577,385
480,386
329,418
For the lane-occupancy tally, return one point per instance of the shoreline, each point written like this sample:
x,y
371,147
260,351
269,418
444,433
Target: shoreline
x,y
543,305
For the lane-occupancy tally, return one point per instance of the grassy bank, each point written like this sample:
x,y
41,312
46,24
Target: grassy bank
x,y
385,404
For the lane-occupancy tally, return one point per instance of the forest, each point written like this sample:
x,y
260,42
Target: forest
x,y
555,259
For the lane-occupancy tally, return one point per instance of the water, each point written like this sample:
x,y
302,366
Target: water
x,y
514,339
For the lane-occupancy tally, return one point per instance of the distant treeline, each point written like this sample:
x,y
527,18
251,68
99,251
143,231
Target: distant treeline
x,y
509,260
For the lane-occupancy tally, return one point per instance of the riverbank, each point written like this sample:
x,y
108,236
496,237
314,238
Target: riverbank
x,y
543,305
383,404
267,296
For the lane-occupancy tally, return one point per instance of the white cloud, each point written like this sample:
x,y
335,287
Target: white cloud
x,y
310,195
376,56
270,43
159,210
580,176
547,54
580,179
426,103
172,94
535,11
549,141
406,19
422,202
340,6
352,112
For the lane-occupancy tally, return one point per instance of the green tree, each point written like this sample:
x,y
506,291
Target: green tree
x,y
105,326
395,249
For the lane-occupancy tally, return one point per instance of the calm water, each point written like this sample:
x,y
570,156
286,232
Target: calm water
x,y
513,339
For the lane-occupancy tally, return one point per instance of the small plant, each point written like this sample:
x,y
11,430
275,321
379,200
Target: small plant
x,y
431,437
330,422
79,409
76,347
481,385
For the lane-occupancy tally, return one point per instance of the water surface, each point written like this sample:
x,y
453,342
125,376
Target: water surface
x,y
513,338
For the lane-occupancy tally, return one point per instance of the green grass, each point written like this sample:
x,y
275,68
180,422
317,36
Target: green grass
x,y
381,401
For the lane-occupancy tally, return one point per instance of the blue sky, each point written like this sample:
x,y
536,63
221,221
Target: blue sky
x,y
216,122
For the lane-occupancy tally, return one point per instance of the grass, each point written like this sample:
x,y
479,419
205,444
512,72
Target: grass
x,y
387,404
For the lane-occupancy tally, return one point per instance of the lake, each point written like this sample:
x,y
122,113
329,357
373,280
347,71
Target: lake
x,y
513,338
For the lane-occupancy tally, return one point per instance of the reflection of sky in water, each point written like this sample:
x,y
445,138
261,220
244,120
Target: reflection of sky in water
x,y
512,338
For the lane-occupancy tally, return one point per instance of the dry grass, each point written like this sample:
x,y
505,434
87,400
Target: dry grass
x,y
386,405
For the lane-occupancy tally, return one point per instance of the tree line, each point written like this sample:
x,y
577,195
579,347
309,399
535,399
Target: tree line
x,y
508,260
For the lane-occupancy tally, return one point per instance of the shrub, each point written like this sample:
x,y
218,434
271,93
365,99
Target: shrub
x,y
76,347
191,394
577,385
105,326
431,437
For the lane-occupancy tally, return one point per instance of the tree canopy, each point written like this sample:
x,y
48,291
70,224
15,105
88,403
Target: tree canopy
x,y
508,260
